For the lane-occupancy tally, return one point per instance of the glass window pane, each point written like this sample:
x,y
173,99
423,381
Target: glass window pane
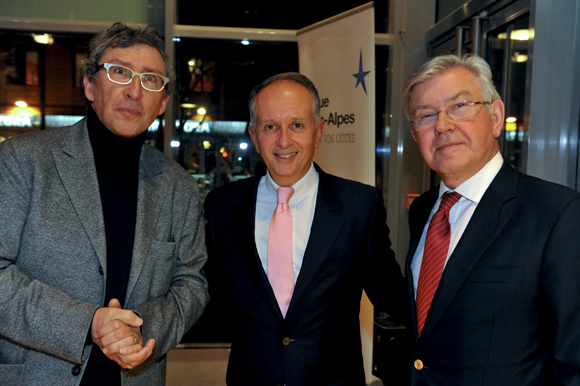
x,y
269,15
508,55
217,76
43,78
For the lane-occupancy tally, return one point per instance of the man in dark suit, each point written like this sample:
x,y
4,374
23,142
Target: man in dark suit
x,y
494,262
310,334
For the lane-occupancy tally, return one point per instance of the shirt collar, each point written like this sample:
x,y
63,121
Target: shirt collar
x,y
474,188
302,187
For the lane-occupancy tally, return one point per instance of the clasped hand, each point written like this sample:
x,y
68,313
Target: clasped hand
x,y
117,332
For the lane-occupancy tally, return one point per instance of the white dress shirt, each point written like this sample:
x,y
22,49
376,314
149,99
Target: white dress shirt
x,y
302,206
471,192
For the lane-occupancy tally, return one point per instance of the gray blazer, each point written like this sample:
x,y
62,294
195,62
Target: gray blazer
x,y
53,258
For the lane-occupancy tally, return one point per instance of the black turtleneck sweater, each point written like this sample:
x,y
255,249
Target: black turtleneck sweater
x,y
117,164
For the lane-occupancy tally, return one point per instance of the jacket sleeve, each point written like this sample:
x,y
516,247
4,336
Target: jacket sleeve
x,y
33,314
169,314
560,294
384,285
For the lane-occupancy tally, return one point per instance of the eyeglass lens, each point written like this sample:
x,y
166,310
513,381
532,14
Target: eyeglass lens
x,y
457,112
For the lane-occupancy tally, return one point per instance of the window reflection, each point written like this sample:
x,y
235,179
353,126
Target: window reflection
x,y
41,72
508,56
214,80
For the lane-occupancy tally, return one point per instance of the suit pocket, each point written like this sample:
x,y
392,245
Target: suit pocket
x,y
11,375
496,275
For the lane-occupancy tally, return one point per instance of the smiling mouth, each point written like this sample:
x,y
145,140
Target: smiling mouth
x,y
286,155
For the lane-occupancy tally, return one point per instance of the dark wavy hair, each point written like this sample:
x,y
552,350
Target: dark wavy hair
x,y
120,35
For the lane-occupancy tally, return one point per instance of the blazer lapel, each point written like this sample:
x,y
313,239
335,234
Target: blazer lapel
x,y
419,224
152,192
76,168
326,226
490,217
243,228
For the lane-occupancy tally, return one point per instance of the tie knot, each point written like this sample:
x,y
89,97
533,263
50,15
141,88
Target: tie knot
x,y
449,199
284,195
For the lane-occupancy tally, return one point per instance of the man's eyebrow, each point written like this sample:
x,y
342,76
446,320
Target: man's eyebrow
x,y
460,93
130,65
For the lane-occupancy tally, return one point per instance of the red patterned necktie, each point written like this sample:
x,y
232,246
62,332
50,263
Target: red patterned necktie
x,y
280,268
434,256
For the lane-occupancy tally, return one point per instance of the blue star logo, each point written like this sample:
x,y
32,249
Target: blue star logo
x,y
360,76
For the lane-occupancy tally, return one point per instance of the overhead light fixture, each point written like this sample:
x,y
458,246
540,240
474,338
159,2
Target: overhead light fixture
x,y
201,111
511,119
175,143
243,145
188,105
43,39
245,42
23,110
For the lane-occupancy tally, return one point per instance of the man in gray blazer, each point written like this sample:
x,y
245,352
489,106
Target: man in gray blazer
x,y
101,236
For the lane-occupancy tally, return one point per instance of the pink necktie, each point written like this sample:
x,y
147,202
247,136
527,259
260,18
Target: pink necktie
x,y
434,256
280,268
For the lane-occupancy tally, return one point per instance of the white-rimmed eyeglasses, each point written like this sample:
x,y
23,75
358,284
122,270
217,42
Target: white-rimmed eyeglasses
x,y
124,75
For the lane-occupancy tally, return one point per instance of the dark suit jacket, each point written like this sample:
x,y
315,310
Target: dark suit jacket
x,y
348,249
507,309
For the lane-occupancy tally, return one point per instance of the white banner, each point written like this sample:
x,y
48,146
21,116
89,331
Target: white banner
x,y
338,55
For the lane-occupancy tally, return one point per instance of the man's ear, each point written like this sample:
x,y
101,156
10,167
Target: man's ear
x,y
252,132
163,105
413,133
88,88
319,132
498,116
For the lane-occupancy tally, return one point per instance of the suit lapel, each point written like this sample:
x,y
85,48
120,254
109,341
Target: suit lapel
x,y
76,168
490,217
326,226
419,224
152,192
243,228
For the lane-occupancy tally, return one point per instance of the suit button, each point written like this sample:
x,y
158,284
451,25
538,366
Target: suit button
x,y
418,365
286,341
100,270
76,370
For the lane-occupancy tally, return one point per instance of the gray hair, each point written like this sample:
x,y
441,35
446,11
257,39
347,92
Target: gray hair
x,y
439,64
291,76
120,35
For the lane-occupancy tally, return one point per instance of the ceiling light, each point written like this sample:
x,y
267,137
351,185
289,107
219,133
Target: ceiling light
x,y
43,39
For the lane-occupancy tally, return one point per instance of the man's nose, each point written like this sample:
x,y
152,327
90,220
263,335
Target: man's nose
x,y
284,137
444,123
134,88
